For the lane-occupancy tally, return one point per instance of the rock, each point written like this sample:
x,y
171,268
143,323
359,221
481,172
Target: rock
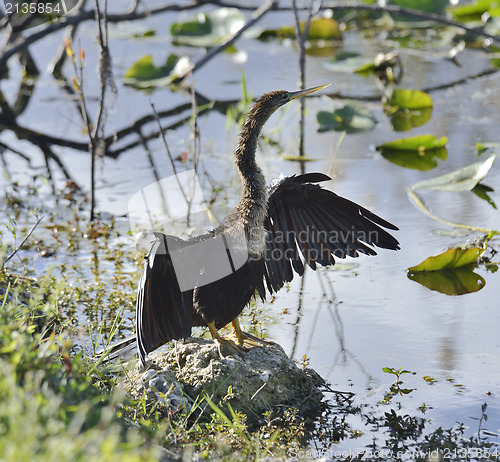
x,y
261,379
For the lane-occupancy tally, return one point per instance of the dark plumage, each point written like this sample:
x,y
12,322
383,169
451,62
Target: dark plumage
x,y
294,223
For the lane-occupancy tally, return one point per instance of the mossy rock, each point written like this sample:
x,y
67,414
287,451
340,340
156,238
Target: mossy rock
x,y
260,380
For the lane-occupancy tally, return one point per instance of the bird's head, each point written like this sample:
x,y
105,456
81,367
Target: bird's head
x,y
270,102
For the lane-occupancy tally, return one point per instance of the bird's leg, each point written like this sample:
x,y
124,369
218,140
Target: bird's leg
x,y
225,347
244,339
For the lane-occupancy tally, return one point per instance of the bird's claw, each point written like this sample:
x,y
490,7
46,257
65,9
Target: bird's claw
x,y
229,348
247,340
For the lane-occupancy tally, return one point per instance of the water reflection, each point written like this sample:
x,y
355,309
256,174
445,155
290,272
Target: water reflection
x,y
447,354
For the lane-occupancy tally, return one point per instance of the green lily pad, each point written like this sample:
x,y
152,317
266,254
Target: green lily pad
x,y
321,49
352,118
454,257
365,69
319,29
416,160
408,108
419,143
460,180
458,281
382,64
475,11
346,61
145,75
406,119
280,33
323,29
408,99
208,29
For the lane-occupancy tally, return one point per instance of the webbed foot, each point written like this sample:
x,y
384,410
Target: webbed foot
x,y
245,339
228,348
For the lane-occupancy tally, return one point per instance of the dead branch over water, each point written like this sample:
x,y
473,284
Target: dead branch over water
x,y
133,135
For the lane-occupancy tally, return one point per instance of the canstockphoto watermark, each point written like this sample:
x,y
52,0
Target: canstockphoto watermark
x,y
168,205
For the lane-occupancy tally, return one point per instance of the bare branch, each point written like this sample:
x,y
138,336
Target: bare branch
x,y
21,42
5,147
255,17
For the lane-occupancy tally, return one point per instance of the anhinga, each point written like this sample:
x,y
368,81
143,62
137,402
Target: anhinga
x,y
293,223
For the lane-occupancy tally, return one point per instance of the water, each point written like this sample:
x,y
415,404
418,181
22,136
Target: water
x,y
350,321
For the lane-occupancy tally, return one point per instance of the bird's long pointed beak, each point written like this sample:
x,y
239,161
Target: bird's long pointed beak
x,y
307,91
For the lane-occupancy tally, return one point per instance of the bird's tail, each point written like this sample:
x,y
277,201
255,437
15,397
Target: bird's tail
x,y
123,349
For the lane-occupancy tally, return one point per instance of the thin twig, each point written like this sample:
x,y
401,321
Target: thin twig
x,y
6,147
84,112
172,163
50,177
47,150
60,57
23,242
301,38
196,130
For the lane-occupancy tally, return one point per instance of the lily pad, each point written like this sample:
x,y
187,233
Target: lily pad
x,y
408,99
458,281
474,11
326,29
454,257
365,69
416,160
352,118
406,119
346,61
323,29
145,75
419,143
460,180
384,64
208,29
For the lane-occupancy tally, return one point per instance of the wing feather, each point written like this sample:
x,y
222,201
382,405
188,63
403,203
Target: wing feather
x,y
307,221
163,312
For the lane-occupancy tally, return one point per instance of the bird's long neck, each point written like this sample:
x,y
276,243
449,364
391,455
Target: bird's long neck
x,y
252,205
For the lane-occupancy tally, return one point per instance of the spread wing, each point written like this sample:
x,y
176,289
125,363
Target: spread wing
x,y
163,312
311,225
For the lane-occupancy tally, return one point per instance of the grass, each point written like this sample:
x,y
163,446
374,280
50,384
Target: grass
x,y
59,404
56,405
